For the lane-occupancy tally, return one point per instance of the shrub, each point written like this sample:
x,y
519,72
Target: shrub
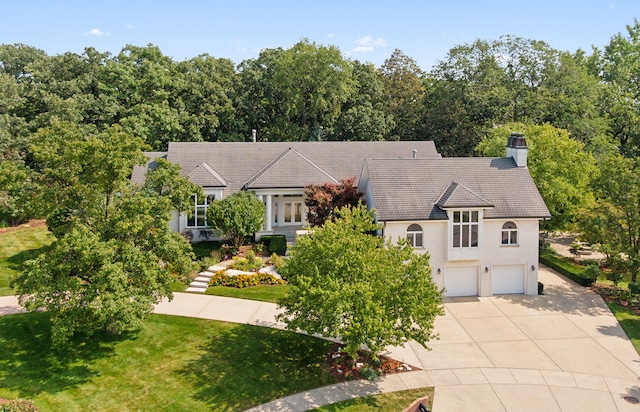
x,y
540,288
368,373
19,405
569,269
242,281
275,243
615,277
277,261
249,263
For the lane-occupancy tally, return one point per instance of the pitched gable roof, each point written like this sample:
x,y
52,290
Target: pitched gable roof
x,y
139,173
239,162
291,169
457,196
204,175
410,189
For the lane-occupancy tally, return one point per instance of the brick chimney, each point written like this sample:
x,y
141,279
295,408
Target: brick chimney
x,y
517,149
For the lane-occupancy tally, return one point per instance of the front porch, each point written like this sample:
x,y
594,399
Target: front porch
x,y
289,231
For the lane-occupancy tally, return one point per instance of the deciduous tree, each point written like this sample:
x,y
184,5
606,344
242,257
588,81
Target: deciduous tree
x,y
348,284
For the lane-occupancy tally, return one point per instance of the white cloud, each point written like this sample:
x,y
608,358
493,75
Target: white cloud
x,y
97,33
368,41
362,49
331,36
130,26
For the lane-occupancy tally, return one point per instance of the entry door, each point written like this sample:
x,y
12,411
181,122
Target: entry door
x,y
461,281
507,279
292,213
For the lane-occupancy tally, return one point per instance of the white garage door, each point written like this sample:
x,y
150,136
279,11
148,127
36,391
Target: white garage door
x,y
462,281
507,279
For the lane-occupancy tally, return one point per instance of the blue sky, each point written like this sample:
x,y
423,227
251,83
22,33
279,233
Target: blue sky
x,y
363,30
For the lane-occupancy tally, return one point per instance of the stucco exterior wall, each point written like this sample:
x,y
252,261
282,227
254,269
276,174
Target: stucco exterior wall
x,y
489,254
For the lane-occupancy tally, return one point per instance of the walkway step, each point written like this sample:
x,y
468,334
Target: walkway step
x,y
195,290
202,279
216,268
198,284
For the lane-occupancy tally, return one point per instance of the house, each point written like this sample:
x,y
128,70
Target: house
x,y
476,217
276,172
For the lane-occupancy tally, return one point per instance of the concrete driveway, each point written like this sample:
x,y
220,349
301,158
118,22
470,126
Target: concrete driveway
x,y
563,351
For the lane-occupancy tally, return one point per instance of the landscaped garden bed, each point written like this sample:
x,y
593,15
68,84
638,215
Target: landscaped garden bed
x,y
344,368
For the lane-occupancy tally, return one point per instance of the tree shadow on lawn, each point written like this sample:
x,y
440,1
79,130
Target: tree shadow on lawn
x,y
30,366
245,366
16,261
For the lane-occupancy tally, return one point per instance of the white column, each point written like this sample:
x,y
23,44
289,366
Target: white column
x,y
269,213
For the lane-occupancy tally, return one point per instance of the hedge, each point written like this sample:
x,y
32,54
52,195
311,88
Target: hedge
x,y
243,281
275,243
569,269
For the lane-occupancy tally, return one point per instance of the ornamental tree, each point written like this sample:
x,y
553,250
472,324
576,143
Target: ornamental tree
x,y
237,216
323,200
348,284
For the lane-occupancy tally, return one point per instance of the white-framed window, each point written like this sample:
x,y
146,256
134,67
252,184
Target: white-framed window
x,y
465,229
198,217
292,212
509,234
414,235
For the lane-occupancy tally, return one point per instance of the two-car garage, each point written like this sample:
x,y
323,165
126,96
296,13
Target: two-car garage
x,y
465,280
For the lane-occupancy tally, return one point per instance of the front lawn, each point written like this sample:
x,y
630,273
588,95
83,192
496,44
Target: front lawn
x,y
265,293
17,246
630,322
386,402
173,363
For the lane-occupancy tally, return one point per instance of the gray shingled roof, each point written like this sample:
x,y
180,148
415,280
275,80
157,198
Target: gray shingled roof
x,y
239,163
456,196
409,189
290,170
204,175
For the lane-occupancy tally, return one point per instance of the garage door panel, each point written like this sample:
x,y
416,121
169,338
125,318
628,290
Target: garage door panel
x,y
461,281
507,279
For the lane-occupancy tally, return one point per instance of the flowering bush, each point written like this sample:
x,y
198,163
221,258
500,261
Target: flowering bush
x,y
242,281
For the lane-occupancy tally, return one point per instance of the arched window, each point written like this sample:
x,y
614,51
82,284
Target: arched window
x,y
509,234
414,235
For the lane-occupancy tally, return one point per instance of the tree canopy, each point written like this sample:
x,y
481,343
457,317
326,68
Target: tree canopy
x,y
363,290
559,166
323,200
114,254
237,216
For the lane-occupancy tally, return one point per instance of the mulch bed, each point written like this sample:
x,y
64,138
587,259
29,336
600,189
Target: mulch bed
x,y
31,223
609,295
343,367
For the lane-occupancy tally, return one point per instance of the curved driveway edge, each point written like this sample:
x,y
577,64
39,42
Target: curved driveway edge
x,y
563,351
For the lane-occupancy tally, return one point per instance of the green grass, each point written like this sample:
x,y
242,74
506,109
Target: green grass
x,y
16,247
171,364
387,402
265,293
629,321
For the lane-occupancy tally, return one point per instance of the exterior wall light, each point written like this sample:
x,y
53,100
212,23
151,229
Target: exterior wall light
x,y
533,268
439,271
486,269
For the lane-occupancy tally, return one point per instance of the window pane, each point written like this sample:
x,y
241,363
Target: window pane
x,y
414,228
418,240
514,237
191,220
200,218
465,216
456,217
410,239
210,199
456,236
287,212
275,212
474,235
298,212
465,236
505,237
474,216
